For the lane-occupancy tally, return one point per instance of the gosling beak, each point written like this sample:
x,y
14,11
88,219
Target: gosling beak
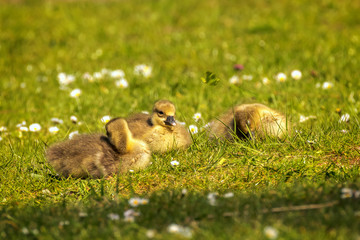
x,y
170,121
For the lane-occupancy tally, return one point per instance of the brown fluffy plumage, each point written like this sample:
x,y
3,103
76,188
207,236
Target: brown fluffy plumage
x,y
100,156
249,121
160,130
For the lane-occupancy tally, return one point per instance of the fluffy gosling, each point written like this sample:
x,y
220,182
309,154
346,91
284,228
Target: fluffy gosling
x,y
159,129
248,121
99,156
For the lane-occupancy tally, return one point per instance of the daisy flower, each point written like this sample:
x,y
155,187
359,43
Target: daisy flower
x,y
65,79
248,77
134,202
117,73
57,120
265,81
105,119
304,119
193,129
83,214
344,118
234,80
143,70
25,231
296,74
35,127
327,85
197,117
270,232
229,195
1,138
98,75
113,216
75,93
212,198
281,77
129,215
346,193
88,77
174,228
3,129
150,233
53,130
122,83
24,129
73,119
144,201
174,163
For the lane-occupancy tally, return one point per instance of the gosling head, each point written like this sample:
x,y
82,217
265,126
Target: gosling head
x,y
246,122
164,114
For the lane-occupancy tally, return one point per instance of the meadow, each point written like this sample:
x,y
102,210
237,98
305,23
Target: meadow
x,y
122,56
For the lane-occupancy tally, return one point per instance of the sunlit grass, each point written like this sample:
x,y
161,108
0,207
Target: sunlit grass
x,y
69,66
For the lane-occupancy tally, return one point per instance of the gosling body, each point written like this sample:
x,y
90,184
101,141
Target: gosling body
x,y
248,121
99,156
159,129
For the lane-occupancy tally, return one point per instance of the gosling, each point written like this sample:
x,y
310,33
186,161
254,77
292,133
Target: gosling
x,y
249,121
159,129
99,156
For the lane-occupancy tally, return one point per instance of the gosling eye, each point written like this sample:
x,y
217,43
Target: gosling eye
x,y
160,113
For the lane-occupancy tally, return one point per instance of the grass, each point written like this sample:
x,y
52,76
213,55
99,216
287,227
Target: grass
x,y
181,41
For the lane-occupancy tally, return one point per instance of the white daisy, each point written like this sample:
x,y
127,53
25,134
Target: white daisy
x,y
144,201
174,163
57,120
24,129
98,75
150,233
53,130
212,198
247,77
229,195
75,93
346,193
327,85
193,129
122,83
234,80
3,129
25,231
134,202
83,214
1,138
129,215
265,81
88,77
117,74
174,228
270,232
113,216
73,119
304,118
65,79
281,77
35,127
344,118
105,119
143,70
296,74
197,117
